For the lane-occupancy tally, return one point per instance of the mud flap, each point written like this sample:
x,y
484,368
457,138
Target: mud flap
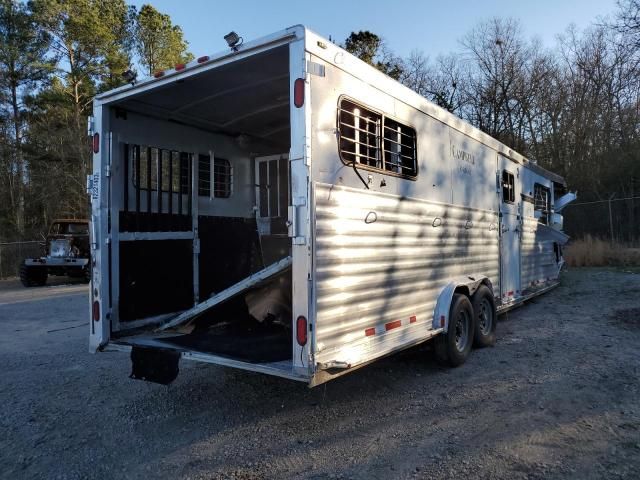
x,y
154,364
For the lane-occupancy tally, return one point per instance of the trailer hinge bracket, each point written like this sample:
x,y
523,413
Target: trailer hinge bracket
x,y
196,245
314,68
107,170
334,364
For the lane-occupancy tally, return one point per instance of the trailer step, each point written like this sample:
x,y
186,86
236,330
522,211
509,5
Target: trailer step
x,y
233,290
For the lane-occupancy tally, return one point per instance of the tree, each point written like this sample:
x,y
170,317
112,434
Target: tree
x,y
90,43
91,40
370,48
628,20
442,83
159,43
23,52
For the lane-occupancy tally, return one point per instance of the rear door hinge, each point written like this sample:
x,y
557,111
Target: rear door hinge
x,y
314,68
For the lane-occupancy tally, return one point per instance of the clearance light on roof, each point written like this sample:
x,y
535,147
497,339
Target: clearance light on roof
x,y
159,74
180,66
203,59
298,92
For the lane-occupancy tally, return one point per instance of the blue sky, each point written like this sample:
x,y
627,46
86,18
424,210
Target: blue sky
x,y
431,26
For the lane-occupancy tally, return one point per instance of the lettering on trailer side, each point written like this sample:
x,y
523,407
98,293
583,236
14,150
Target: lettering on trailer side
x,y
463,156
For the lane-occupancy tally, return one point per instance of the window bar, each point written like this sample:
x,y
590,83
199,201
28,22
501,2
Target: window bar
x,y
191,158
126,177
180,192
159,182
148,182
363,144
356,122
170,200
360,155
379,156
138,186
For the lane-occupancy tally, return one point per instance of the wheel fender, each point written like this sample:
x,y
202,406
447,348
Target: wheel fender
x,y
469,284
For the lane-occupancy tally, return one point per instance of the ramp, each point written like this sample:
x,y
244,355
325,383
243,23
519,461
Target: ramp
x,y
233,290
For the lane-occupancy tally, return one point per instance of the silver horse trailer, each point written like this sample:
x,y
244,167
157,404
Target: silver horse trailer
x,y
283,207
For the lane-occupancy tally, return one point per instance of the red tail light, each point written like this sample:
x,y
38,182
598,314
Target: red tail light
x,y
298,92
301,331
96,311
96,142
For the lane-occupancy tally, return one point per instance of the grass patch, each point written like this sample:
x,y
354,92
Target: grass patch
x,y
595,252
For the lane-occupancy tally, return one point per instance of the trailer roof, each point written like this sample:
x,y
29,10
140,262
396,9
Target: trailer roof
x,y
338,57
342,59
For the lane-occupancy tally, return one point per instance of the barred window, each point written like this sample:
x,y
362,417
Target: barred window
x,y
508,187
371,139
150,163
542,201
204,175
222,178
399,148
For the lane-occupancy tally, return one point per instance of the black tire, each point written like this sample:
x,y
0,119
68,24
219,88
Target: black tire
x,y
33,276
485,316
453,346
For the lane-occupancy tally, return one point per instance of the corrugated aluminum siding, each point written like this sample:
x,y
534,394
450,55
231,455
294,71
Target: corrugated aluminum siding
x,y
538,260
379,258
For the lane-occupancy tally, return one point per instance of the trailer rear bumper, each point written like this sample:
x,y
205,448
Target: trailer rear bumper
x,y
282,369
56,262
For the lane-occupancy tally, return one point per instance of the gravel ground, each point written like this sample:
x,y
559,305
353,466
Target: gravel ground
x,y
556,398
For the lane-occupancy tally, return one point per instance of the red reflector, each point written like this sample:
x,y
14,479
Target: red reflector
x,y
159,74
301,331
180,66
96,311
370,332
298,92
391,325
413,319
96,142
203,59
442,320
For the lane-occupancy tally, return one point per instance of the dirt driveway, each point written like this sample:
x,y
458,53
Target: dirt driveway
x,y
558,397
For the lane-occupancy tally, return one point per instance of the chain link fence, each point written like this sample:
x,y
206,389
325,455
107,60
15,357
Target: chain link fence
x,y
12,254
614,219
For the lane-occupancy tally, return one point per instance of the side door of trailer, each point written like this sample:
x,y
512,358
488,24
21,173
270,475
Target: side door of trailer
x,y
510,204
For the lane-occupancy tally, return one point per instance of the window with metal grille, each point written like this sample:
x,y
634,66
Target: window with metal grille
x,y
508,187
204,175
359,134
370,139
542,201
399,148
222,178
150,163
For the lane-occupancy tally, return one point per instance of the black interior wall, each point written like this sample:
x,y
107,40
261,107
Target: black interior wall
x,y
229,252
156,276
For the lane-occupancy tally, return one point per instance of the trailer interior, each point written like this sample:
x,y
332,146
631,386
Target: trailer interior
x,y
199,194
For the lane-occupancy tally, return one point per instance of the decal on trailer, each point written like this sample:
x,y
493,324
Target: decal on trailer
x,y
95,186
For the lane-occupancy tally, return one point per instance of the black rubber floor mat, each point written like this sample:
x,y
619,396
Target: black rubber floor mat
x,y
255,347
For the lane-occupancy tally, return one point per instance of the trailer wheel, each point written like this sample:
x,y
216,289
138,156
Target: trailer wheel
x,y
484,310
33,277
453,347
